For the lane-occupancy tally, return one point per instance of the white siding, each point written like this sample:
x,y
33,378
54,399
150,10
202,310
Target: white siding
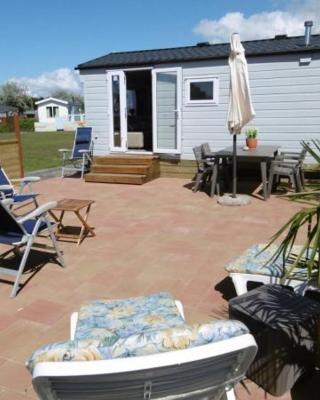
x,y
42,111
286,98
96,108
285,93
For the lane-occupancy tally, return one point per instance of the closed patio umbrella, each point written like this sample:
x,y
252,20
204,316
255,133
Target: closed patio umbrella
x,y
240,110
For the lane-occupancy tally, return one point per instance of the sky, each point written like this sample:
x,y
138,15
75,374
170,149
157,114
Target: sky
x,y
42,41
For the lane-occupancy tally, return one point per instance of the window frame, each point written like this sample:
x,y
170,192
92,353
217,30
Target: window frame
x,y
215,82
53,112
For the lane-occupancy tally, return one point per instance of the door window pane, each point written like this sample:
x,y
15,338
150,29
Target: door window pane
x,y
166,90
116,111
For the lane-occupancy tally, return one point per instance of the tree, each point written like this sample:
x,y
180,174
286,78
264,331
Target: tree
x,y
72,98
15,95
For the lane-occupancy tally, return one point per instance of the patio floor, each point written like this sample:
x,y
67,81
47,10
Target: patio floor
x,y
159,236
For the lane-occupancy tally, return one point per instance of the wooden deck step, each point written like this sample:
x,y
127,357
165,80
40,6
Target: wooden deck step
x,y
125,160
124,168
120,169
132,179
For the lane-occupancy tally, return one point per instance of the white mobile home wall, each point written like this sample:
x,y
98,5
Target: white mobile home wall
x,y
285,93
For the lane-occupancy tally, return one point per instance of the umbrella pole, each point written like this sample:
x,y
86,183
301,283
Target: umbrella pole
x,y
234,165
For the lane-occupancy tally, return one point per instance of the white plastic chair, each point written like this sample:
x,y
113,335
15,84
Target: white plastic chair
x,y
205,372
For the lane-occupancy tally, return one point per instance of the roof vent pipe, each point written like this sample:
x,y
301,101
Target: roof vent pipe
x,y
307,34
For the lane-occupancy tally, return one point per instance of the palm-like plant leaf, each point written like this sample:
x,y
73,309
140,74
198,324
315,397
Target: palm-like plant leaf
x,y
308,257
311,151
305,219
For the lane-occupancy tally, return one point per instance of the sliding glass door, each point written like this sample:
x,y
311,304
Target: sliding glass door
x,y
166,99
117,110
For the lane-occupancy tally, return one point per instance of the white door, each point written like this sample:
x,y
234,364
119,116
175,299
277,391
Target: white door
x,y
117,110
166,110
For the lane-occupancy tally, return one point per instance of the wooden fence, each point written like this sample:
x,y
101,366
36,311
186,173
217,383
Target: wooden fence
x,y
11,151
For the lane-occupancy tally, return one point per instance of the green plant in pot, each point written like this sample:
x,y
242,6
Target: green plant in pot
x,y
251,140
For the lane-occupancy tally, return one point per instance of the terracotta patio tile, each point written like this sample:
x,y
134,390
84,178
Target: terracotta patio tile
x,y
158,236
20,338
13,395
6,320
14,376
43,311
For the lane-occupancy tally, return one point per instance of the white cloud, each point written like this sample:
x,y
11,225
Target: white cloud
x,y
44,84
261,25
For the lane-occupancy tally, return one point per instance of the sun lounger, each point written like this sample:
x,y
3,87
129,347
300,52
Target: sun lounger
x,y
141,348
255,266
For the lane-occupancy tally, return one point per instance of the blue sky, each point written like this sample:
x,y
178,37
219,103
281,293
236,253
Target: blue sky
x,y
41,38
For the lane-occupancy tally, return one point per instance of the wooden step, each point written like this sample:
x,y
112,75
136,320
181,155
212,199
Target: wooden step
x,y
120,169
132,179
125,159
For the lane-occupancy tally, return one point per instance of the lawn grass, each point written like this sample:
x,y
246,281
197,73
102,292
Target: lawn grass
x,y
40,150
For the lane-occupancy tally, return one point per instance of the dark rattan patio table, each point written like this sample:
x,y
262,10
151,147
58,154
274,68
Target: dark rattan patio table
x,y
263,154
286,328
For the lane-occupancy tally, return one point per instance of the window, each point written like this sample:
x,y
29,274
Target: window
x,y
52,111
202,90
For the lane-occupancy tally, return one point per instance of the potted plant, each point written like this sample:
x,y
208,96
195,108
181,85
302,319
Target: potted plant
x,y
252,141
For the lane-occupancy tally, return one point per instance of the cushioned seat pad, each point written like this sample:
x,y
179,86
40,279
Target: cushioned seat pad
x,y
256,261
122,318
140,344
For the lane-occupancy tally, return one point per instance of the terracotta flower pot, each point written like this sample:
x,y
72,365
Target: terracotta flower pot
x,y
252,143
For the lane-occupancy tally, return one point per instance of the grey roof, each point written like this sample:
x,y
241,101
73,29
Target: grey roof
x,y
6,109
279,45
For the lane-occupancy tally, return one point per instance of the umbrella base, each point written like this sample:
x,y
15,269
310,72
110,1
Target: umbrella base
x,y
239,200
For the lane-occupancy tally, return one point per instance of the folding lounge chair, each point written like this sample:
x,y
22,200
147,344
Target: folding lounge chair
x,y
7,190
79,157
254,265
19,232
141,348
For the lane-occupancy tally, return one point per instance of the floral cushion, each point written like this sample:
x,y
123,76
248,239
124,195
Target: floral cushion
x,y
254,262
139,344
114,319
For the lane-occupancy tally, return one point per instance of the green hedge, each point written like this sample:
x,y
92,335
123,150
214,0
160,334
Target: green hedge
x,y
27,124
4,128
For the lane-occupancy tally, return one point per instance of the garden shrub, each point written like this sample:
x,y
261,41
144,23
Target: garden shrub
x,y
4,127
27,124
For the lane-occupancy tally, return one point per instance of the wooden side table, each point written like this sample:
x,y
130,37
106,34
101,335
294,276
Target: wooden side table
x,y
75,206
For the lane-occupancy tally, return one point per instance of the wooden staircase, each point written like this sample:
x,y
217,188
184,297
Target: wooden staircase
x,y
129,169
